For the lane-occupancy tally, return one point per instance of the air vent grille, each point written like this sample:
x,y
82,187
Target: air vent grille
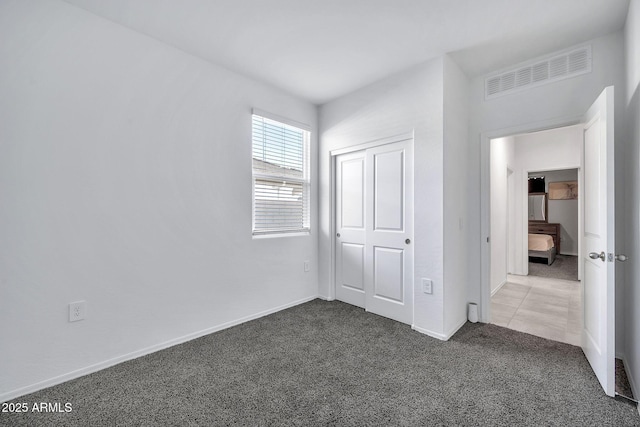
x,y
552,68
523,77
540,72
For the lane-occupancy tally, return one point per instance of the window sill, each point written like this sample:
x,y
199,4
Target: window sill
x,y
277,235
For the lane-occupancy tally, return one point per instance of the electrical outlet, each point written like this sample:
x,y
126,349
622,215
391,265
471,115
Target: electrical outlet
x,y
77,310
427,286
306,267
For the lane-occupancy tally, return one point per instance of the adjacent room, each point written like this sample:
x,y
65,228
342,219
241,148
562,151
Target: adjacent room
x,y
243,212
535,277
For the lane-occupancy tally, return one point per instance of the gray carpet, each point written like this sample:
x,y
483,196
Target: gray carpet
x,y
564,267
328,363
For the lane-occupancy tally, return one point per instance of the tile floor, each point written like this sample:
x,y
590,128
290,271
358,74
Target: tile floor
x,y
541,306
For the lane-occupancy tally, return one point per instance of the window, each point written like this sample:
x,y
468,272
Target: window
x,y
281,181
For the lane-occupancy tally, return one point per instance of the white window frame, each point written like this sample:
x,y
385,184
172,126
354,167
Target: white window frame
x,y
305,181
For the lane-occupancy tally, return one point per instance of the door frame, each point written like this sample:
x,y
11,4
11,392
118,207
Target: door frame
x,y
332,196
509,244
485,197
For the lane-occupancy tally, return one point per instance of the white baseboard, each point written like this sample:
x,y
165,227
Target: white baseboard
x,y
441,337
456,328
142,352
504,282
432,334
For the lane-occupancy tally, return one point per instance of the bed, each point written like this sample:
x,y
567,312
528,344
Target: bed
x,y
542,246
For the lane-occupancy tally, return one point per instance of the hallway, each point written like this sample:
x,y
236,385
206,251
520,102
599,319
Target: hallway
x,y
545,307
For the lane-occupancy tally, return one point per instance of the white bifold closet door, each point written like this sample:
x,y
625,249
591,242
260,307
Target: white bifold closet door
x,y
374,229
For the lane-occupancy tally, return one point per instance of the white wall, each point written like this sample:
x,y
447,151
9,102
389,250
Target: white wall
x,y
539,152
563,212
502,160
631,223
456,135
409,101
558,103
125,174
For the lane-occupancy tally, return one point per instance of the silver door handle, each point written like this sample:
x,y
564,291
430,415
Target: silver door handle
x,y
621,258
596,255
338,235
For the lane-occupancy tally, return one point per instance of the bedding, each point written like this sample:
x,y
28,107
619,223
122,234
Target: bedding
x,y
542,246
540,242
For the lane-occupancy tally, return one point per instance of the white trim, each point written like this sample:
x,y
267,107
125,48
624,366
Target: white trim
x,y
485,217
438,335
332,227
281,119
524,231
456,328
432,334
142,352
495,291
375,143
270,234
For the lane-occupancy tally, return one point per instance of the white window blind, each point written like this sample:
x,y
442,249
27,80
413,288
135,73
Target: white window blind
x,y
281,181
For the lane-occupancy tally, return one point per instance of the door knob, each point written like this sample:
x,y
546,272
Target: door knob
x,y
407,241
621,258
596,255
338,235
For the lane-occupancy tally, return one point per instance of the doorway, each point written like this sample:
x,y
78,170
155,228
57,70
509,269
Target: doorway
x,y
559,219
549,306
597,231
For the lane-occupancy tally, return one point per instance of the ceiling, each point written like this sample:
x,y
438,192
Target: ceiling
x,y
321,50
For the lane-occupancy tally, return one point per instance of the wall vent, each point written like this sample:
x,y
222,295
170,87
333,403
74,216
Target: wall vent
x,y
557,66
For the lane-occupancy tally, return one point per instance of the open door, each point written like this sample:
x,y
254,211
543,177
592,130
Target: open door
x,y
598,333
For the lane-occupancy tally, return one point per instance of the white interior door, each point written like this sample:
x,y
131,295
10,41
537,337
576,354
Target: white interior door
x,y
389,255
374,230
350,227
598,332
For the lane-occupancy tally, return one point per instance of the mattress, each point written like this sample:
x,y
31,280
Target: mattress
x,y
540,242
